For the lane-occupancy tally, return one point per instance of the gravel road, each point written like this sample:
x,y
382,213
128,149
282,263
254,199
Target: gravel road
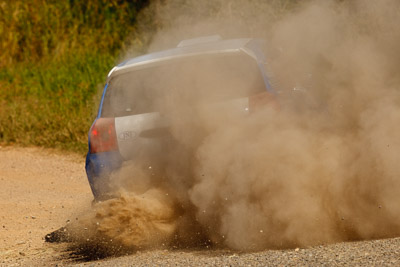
x,y
42,189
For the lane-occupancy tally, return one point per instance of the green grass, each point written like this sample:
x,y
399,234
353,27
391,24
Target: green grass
x,y
58,54
51,104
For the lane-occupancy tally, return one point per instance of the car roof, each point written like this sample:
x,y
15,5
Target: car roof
x,y
192,47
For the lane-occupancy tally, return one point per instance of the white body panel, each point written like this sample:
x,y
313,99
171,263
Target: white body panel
x,y
137,134
132,133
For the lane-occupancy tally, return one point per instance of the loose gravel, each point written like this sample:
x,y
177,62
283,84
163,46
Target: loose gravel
x,y
42,189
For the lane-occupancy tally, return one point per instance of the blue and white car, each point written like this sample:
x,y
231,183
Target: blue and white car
x,y
129,123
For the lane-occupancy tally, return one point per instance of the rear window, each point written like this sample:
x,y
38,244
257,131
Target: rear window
x,y
189,81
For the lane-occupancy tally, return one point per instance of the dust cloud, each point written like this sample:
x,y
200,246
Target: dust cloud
x,y
323,167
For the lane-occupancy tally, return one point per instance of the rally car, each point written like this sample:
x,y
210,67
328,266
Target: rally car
x,y
130,119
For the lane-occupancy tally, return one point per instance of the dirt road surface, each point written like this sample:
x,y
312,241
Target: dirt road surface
x,y
42,189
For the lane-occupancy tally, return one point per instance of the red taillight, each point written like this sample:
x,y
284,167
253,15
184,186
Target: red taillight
x,y
259,101
102,136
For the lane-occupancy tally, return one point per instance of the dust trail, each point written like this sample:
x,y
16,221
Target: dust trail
x,y
324,168
120,225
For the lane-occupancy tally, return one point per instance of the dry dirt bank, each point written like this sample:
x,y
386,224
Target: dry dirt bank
x,y
41,190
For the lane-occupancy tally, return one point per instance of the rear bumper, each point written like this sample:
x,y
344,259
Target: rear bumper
x,y
99,167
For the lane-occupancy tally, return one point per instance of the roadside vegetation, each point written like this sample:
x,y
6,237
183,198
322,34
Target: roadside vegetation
x,y
55,57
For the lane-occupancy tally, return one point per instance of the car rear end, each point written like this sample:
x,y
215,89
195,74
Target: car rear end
x,y
141,96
